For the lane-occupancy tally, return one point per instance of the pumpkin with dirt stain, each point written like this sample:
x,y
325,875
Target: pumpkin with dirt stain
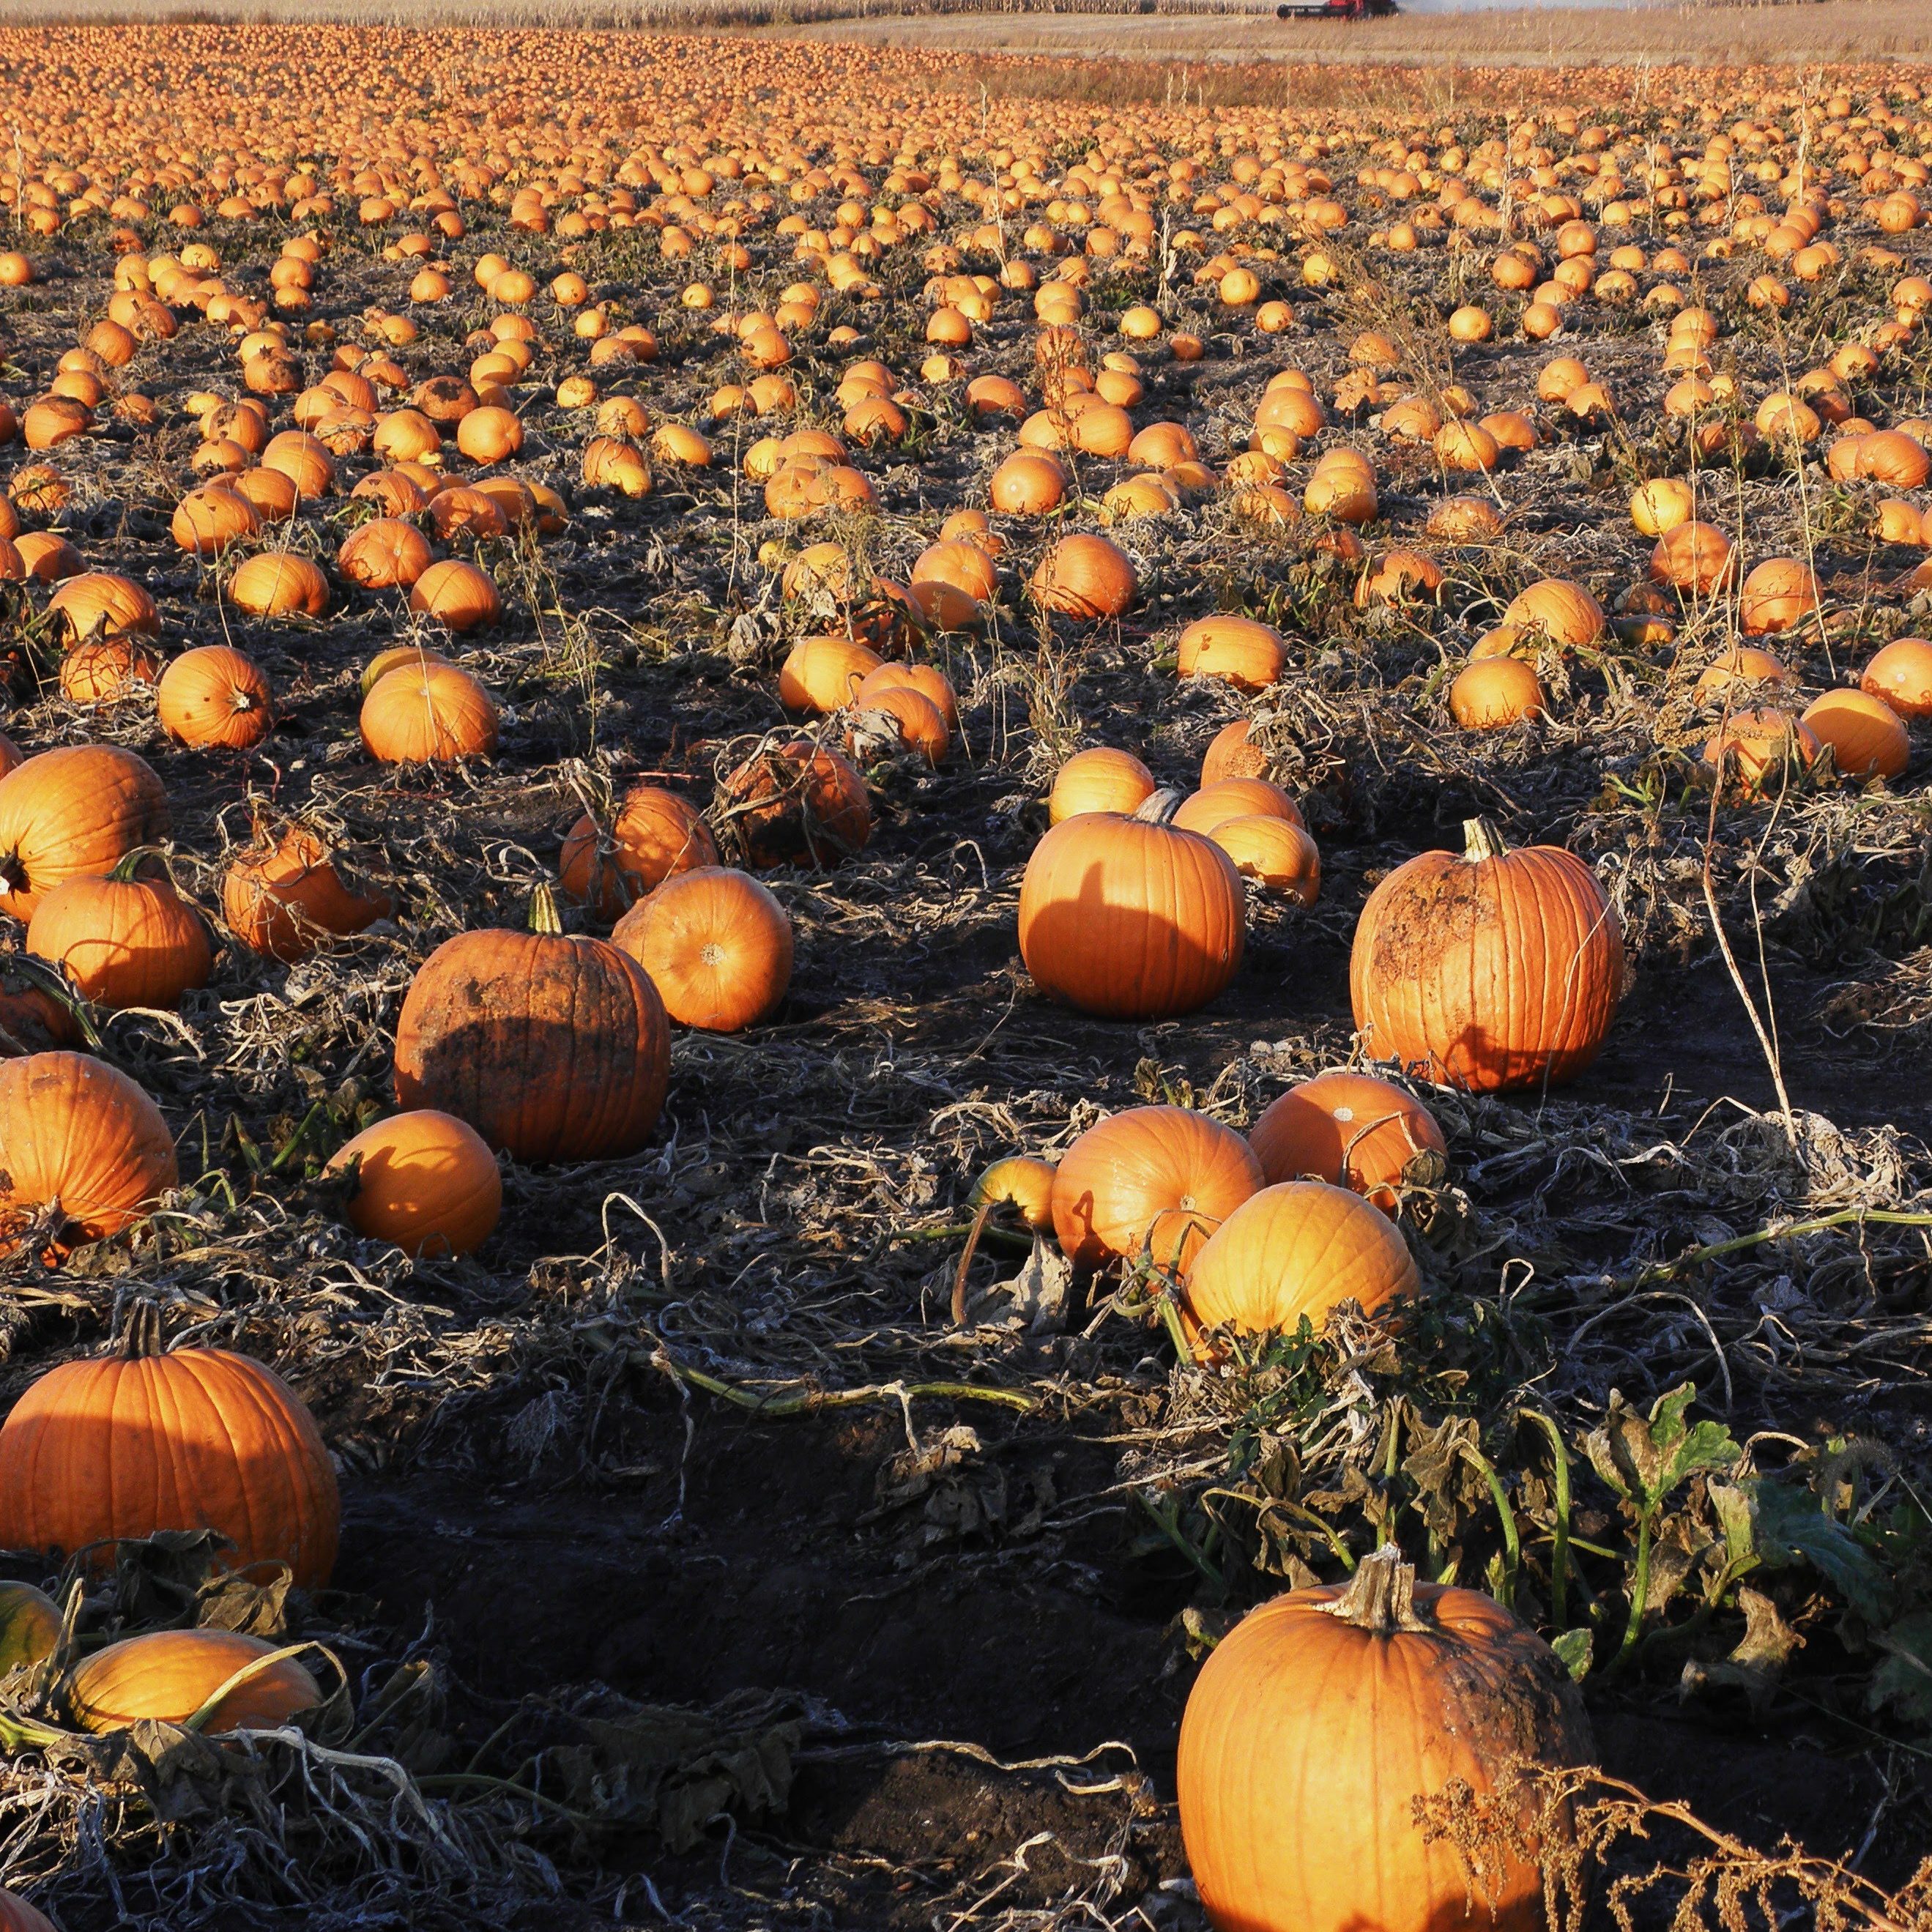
x,y
71,813
134,1443
554,1048
283,896
168,1676
1158,1178
718,946
424,1181
1488,969
1321,1718
1131,918
125,941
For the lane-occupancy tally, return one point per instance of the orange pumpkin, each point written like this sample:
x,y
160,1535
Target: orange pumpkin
x,y
1215,804
1489,693
797,803
424,1181
1776,594
1350,1130
554,1048
279,584
1156,1179
823,674
1275,852
1100,779
718,946
1900,673
456,594
73,812
1322,1717
1866,737
123,940
1130,919
1761,748
1489,969
428,712
1246,654
169,1676
386,554
215,696
1021,1182
1563,612
104,669
283,896
17,1915
98,603
1233,754
132,1443
1085,577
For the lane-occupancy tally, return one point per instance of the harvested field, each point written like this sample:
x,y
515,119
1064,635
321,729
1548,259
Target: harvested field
x,y
768,1517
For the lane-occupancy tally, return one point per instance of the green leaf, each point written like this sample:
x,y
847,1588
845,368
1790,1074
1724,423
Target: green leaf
x,y
1788,1526
1573,1649
1644,1460
1904,1679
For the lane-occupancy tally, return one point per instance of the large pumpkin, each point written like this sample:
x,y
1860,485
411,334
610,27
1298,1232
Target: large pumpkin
x,y
1300,1247
1489,969
123,940
84,1152
1129,918
168,1676
283,896
1160,1178
655,834
1321,1718
74,812
131,1443
718,946
1350,1128
552,1048
424,1181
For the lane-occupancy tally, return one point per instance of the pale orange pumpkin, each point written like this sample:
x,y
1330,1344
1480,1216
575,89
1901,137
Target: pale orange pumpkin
x,y
1098,779
428,712
1085,577
1242,651
1866,737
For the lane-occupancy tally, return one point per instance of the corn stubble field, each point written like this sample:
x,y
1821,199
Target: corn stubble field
x,y
928,1006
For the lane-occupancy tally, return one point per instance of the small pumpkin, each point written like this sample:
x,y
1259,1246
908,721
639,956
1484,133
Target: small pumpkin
x,y
1249,655
823,674
1085,577
1489,969
1215,804
1233,753
1866,737
73,812
553,1047
1490,694
386,554
1128,918
1322,1717
430,712
170,1676
100,603
1761,748
1098,779
796,803
125,941
213,695
456,595
132,1443
424,1181
30,1631
717,945
283,896
1348,1129
655,836
1020,1181
1900,673
279,584
1275,854
1157,1179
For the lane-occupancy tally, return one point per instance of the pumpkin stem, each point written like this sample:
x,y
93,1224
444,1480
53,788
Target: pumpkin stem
x,y
1381,1596
1160,807
544,915
128,868
1481,841
142,1336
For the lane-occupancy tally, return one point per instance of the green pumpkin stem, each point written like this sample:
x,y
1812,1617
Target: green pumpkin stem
x,y
1481,841
544,917
1381,1596
127,869
1160,807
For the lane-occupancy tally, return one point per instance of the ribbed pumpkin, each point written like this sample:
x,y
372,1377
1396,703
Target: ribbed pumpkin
x,y
1240,651
73,812
125,941
1320,1719
1563,612
1085,577
1215,804
428,712
1129,918
283,896
132,1443
279,584
554,1048
797,804
1349,1129
386,554
208,519
655,836
1275,854
1297,1248
823,674
168,1675
99,603
1490,969
1099,779
718,946
106,668
456,594
1763,749
213,695
424,1181
1159,1178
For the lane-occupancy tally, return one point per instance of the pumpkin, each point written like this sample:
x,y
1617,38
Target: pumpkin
x,y
1160,1179
213,695
796,803
106,668
30,1631
1694,558
279,584
1490,693
1760,748
207,521
1275,852
134,1443
170,1676
823,674
1563,612
70,813
283,896
1022,1182
1130,919
1233,753
931,683
386,554
1350,1130
456,594
1775,595
1100,779
1321,1718
17,1915
1084,578
1490,969
428,712
100,603
1900,673
1245,653
424,1181
554,1048
123,940
718,946
1866,737
1234,798
1740,668
1297,1248
906,716
396,657
655,834
1661,504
